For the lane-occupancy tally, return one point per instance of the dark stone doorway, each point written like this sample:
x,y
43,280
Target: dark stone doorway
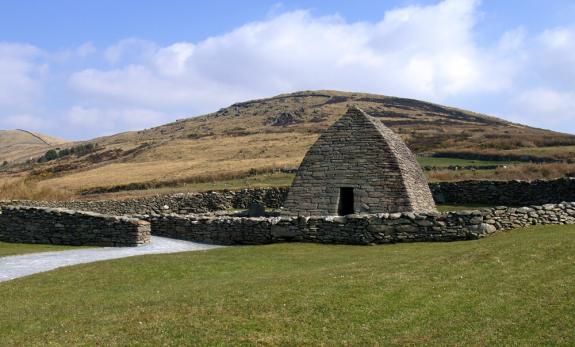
x,y
345,206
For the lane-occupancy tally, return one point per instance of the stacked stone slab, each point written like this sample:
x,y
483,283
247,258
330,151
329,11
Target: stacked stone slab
x,y
66,227
359,152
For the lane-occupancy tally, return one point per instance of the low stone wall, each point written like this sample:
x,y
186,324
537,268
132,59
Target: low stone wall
x,y
517,193
65,227
509,193
183,203
359,229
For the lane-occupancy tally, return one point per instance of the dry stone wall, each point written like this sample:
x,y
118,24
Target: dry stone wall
x,y
176,203
66,227
517,193
58,226
509,193
360,229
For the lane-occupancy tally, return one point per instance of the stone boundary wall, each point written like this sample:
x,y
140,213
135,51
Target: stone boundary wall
x,y
359,229
183,203
66,227
508,193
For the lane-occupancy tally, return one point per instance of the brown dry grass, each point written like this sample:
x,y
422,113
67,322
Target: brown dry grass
x,y
206,159
525,172
233,141
20,145
26,189
266,180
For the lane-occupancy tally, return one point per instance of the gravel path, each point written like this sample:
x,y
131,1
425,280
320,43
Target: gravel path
x,y
24,265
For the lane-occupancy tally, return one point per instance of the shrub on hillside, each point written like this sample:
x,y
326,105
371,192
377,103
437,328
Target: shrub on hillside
x,y
83,149
50,155
78,150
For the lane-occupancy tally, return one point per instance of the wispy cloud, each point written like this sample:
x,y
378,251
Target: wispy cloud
x,y
20,72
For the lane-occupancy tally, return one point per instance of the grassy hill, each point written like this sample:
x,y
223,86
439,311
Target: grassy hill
x,y
20,145
263,136
512,289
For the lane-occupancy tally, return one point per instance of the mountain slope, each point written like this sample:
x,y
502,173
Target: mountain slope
x,y
17,145
260,135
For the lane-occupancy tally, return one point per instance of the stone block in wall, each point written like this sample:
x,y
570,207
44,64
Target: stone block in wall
x,y
283,231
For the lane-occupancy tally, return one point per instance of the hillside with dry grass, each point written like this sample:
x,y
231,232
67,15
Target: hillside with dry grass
x,y
21,145
270,135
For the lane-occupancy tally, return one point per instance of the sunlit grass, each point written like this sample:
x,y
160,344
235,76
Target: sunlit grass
x,y
515,288
8,249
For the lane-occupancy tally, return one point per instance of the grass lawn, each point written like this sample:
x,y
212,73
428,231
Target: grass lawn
x,y
7,249
515,288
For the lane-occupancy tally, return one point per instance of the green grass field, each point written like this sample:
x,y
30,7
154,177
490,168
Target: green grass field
x,y
514,288
7,249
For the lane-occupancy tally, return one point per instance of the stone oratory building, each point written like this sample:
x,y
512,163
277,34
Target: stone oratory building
x,y
358,165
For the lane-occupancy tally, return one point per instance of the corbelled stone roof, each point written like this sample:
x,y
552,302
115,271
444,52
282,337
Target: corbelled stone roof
x,y
359,152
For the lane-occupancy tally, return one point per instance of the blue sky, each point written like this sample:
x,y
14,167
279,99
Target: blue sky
x,y
80,69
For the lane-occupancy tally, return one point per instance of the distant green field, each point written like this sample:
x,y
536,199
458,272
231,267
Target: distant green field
x,y
7,249
441,162
511,289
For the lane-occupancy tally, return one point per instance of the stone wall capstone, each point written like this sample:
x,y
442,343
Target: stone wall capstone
x,y
66,227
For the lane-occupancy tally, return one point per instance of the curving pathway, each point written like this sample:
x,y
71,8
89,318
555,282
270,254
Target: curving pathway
x,y
16,266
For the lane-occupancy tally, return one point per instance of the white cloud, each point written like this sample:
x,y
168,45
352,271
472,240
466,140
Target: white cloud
x,y
109,121
172,60
22,121
557,38
417,51
20,74
130,49
554,56
85,49
545,107
425,52
545,93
